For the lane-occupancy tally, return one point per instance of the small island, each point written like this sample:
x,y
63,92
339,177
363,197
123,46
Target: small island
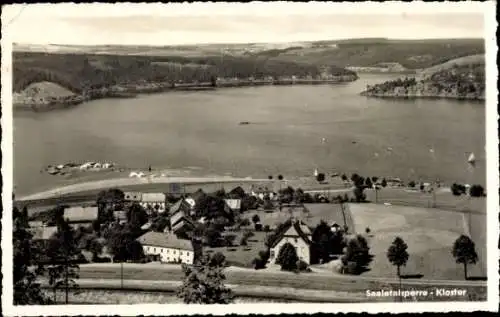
x,y
462,78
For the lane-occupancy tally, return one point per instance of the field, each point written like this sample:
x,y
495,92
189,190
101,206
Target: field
x,y
429,233
249,283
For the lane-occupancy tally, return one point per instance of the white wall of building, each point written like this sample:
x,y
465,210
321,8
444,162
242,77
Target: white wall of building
x,y
170,254
301,247
161,204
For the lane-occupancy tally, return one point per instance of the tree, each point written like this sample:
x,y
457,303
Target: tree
x,y
359,194
229,239
246,235
287,257
411,184
27,289
270,177
321,177
63,254
476,191
464,251
398,255
357,255
255,218
368,182
280,177
384,183
203,283
137,216
122,244
344,177
96,248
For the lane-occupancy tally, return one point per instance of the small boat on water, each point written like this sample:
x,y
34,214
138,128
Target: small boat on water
x,y
472,158
244,122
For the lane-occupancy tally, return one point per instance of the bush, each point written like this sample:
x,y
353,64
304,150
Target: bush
x,y
258,227
302,266
359,194
476,191
287,257
367,230
412,184
245,222
357,256
320,178
458,189
266,228
384,183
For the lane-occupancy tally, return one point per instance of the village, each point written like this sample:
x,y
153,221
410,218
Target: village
x,y
329,231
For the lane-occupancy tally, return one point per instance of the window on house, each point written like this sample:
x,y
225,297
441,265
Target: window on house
x,y
296,240
181,252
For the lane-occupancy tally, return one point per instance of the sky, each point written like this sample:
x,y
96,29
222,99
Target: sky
x,y
174,24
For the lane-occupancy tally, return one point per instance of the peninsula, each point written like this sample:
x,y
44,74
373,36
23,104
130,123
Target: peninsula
x,y
462,78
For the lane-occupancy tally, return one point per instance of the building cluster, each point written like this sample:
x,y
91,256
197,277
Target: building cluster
x,y
169,246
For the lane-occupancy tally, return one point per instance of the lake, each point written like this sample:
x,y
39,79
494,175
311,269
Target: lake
x,y
292,131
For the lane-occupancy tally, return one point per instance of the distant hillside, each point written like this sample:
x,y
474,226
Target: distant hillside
x,y
411,55
462,78
80,72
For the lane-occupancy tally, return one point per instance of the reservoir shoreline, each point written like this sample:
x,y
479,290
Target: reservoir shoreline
x,y
133,90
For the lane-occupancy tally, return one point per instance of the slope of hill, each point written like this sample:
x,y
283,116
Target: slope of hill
x,y
80,72
410,54
463,78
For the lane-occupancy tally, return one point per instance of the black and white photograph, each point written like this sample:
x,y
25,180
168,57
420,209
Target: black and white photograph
x,y
292,157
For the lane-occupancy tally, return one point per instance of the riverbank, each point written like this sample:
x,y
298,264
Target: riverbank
x,y
421,95
34,103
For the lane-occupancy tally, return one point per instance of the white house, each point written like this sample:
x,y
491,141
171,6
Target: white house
x,y
156,201
133,196
298,235
232,205
167,248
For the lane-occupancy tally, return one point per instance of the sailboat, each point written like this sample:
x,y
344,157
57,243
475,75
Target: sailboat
x,y
315,172
472,158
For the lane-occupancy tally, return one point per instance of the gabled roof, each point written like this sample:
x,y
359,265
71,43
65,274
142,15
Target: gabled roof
x,y
81,214
197,195
43,233
153,197
296,230
238,190
164,240
180,205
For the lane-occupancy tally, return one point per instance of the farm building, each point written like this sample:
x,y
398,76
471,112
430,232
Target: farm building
x,y
232,205
298,235
133,197
167,247
80,215
156,201
120,215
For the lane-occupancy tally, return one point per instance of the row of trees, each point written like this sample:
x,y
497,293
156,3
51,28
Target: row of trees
x,y
464,252
57,260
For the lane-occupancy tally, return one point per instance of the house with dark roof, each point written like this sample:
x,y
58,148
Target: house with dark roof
x,y
195,197
180,220
166,247
298,235
238,192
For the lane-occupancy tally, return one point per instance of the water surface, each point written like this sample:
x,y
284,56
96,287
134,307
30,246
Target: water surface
x,y
200,130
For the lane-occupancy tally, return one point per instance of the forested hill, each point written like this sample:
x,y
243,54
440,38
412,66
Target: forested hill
x,y
78,72
461,79
378,52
